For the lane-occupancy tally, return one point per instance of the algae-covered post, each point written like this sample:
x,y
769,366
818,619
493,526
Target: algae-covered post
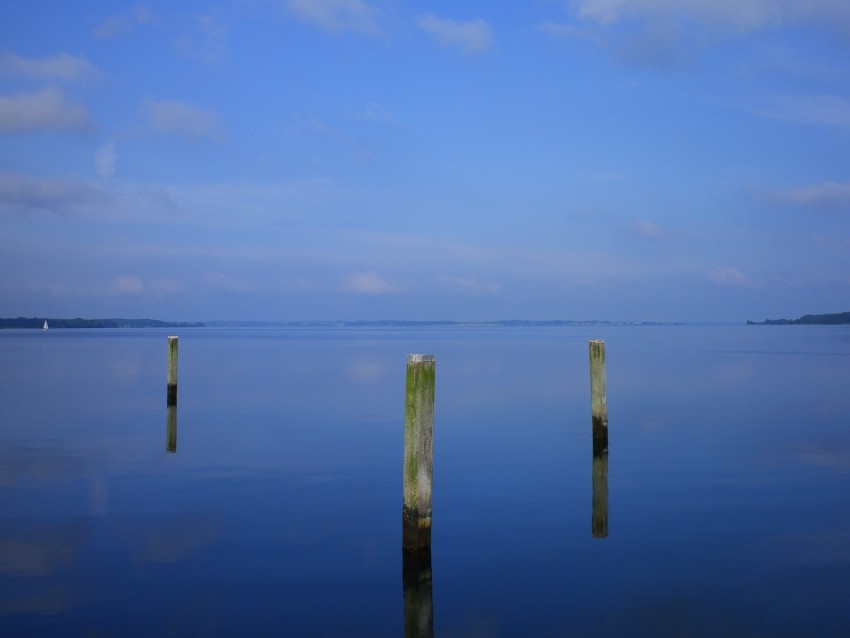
x,y
418,451
171,429
598,400
172,371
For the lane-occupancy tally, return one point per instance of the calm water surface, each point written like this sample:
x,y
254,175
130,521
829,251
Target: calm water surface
x,y
728,483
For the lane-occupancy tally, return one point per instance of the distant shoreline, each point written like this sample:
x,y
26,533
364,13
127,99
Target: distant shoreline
x,y
835,319
57,322
53,322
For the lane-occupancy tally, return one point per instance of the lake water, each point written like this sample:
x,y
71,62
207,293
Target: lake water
x,y
728,483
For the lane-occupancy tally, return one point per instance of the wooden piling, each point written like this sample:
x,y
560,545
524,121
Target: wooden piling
x,y
598,398
418,451
172,371
171,429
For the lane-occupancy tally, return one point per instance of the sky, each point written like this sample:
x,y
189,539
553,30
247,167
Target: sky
x,y
623,160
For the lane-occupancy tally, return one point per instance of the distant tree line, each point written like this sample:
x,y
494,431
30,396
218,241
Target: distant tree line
x,y
835,319
52,322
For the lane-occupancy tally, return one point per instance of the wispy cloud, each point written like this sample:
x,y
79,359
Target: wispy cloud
x,y
650,230
816,110
44,110
61,67
118,25
474,36
738,16
20,194
374,113
183,120
729,276
828,195
672,33
205,39
337,15
105,159
369,283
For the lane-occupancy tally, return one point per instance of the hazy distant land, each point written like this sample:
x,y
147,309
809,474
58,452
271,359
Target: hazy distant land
x,y
835,319
52,322
38,322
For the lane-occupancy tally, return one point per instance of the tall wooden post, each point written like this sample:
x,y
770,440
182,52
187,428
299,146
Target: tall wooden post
x,y
416,510
598,399
418,451
172,371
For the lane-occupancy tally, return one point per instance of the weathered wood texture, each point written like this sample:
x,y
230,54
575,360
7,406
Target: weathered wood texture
x,y
418,450
598,397
172,371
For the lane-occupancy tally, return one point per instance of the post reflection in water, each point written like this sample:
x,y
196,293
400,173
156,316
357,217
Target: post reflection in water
x,y
418,603
599,524
171,429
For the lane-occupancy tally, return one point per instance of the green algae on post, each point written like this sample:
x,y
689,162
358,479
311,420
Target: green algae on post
x,y
172,371
418,450
598,399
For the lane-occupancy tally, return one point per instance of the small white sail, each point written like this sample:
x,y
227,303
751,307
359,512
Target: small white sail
x,y
44,327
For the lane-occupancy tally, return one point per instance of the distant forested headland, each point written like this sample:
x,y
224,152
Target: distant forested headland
x,y
38,322
835,319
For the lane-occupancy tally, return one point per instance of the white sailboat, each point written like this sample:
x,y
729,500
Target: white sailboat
x,y
44,327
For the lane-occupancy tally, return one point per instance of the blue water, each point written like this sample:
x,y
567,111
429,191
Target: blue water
x,y
280,512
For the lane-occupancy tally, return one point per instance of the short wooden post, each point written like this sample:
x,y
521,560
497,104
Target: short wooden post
x,y
172,371
598,399
171,429
418,451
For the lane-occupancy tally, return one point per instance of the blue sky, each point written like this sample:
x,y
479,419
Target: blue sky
x,y
378,159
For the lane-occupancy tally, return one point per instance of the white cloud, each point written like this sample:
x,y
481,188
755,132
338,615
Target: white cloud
x,y
127,285
184,120
337,15
739,16
832,195
374,113
648,229
61,67
104,159
671,33
729,276
205,39
118,25
44,110
369,283
474,36
19,194
816,110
